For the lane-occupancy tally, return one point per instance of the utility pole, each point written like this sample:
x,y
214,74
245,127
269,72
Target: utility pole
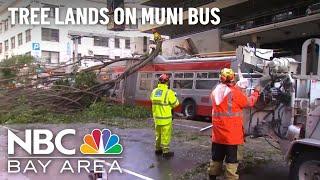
x,y
75,58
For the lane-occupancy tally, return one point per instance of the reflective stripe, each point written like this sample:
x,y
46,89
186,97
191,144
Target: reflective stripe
x,y
174,102
160,104
227,114
156,101
168,117
165,97
230,103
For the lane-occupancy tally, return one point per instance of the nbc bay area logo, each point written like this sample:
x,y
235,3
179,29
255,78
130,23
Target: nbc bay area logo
x,y
39,145
101,142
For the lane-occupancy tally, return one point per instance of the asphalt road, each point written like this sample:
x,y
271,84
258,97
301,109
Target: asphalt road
x,y
192,149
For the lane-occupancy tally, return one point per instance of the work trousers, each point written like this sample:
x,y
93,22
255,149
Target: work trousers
x,y
163,137
223,151
227,153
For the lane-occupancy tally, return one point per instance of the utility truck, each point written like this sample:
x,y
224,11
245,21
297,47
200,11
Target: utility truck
x,y
288,109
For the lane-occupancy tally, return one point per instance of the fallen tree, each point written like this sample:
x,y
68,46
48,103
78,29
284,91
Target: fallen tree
x,y
63,96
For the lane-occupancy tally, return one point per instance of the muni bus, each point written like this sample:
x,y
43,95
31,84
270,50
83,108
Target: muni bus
x,y
192,78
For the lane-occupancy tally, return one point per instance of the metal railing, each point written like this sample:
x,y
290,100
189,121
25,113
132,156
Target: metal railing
x,y
263,19
192,3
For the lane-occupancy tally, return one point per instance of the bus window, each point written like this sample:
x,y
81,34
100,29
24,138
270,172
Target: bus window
x,y
158,75
206,80
178,75
146,75
145,81
145,85
155,83
206,84
202,75
182,84
188,75
213,75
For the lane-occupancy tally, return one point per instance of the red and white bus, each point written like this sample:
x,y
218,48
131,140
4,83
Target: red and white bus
x,y
191,78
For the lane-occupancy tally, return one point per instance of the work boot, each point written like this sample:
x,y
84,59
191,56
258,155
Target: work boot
x,y
215,169
211,177
231,171
168,155
158,152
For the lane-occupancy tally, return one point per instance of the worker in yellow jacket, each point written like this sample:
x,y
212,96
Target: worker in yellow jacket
x,y
163,101
156,36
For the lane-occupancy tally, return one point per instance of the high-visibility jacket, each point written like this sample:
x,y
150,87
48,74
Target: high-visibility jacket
x,y
157,37
163,101
227,117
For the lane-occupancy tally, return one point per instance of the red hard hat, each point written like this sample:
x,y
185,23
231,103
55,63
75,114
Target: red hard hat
x,y
164,78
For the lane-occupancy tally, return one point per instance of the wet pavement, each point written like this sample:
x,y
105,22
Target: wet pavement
x,y
137,160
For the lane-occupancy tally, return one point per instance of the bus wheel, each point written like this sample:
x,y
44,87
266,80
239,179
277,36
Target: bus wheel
x,y
306,166
189,109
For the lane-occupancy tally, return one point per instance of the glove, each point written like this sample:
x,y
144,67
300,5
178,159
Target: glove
x,y
257,89
243,84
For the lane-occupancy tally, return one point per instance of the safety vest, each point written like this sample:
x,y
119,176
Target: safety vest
x,y
227,117
163,101
157,36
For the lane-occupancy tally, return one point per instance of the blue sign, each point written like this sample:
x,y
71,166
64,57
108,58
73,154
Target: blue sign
x,y
68,49
36,46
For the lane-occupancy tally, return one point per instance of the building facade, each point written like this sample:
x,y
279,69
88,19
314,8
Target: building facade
x,y
53,44
277,24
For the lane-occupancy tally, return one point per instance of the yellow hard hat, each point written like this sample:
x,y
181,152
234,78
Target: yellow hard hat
x,y
227,75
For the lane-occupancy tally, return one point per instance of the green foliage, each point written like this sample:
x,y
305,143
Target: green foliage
x,y
14,61
84,80
115,115
102,110
62,82
81,80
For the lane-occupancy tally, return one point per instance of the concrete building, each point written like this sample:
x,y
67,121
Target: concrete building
x,y
53,44
277,24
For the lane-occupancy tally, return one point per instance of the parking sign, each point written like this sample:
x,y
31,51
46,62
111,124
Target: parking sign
x,y
36,52
36,46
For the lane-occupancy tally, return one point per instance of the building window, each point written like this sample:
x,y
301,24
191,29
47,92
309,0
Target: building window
x,y
101,56
127,43
51,57
0,48
145,44
6,45
133,26
52,12
28,35
117,43
50,34
13,42
6,25
20,39
101,41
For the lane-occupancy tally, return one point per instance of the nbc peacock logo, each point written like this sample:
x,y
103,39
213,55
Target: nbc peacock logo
x,y
101,142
